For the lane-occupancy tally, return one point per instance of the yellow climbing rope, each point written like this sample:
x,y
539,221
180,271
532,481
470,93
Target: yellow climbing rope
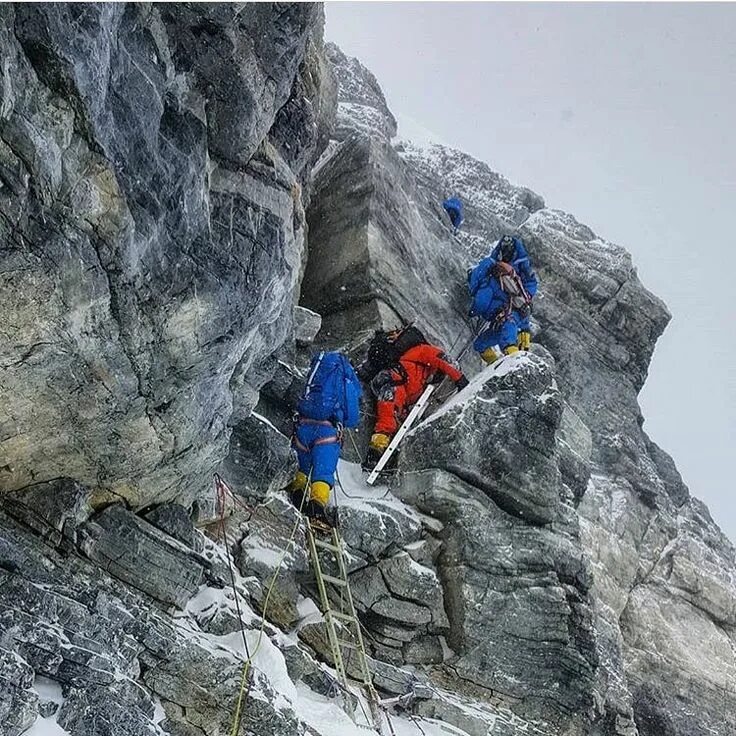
x,y
242,693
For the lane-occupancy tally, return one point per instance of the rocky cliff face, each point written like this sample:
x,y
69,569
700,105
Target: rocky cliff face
x,y
557,466
536,566
152,231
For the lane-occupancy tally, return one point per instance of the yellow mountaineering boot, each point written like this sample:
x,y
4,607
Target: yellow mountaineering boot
x,y
296,489
376,447
320,492
510,350
315,509
489,355
379,441
525,340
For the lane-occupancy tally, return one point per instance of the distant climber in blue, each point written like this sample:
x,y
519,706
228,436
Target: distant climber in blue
x,y
329,404
502,287
454,208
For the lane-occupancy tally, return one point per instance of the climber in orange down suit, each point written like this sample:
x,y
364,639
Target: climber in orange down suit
x,y
408,363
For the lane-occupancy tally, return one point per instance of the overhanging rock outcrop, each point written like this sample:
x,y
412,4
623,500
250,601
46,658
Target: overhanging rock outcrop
x,y
375,259
509,425
152,232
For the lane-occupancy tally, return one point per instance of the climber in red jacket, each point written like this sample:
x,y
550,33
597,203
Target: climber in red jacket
x,y
407,365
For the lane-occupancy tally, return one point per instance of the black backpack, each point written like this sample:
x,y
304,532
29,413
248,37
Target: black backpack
x,y
386,349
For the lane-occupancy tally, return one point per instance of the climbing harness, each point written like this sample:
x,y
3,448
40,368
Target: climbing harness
x,y
415,414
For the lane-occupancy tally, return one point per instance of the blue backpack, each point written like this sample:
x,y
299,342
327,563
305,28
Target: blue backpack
x,y
332,392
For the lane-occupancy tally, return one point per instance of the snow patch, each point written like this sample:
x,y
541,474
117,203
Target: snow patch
x,y
353,491
46,727
48,690
208,601
308,611
265,421
328,719
258,551
411,131
159,714
421,569
502,367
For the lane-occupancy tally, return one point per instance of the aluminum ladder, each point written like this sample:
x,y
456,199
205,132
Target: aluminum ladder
x,y
337,621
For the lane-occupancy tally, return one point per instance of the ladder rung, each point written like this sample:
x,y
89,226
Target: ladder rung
x,y
347,644
342,616
335,581
326,545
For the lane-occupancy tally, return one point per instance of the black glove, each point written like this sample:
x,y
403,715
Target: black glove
x,y
525,311
461,383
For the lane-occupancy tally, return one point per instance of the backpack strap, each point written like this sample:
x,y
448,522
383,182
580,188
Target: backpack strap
x,y
510,278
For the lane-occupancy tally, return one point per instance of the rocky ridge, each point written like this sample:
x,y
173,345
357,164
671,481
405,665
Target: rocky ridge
x,y
607,495
161,197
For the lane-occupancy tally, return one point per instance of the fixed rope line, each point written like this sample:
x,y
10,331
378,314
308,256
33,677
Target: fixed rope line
x,y
351,495
244,689
414,720
222,489
244,685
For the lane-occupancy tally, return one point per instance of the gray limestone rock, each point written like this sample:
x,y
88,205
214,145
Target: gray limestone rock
x,y
305,123
398,681
18,702
175,521
689,594
480,717
361,275
267,547
142,556
306,325
204,690
376,528
371,593
516,596
424,551
136,151
260,459
509,418
424,650
410,581
54,509
361,103
47,708
115,709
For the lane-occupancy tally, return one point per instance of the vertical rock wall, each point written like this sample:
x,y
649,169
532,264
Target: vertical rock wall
x,y
152,169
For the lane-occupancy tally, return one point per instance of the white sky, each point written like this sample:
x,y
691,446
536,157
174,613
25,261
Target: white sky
x,y
623,115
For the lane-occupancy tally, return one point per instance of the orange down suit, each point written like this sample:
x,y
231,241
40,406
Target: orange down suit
x,y
396,393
